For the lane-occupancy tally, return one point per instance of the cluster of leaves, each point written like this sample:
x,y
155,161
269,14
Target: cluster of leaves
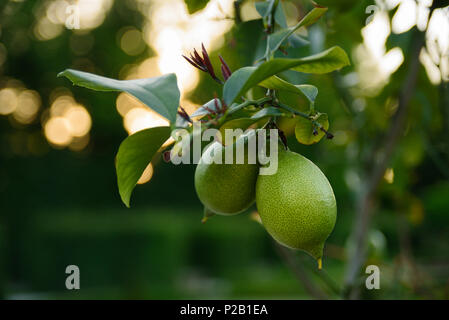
x,y
233,109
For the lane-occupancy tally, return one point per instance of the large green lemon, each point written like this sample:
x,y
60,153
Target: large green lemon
x,y
226,189
296,204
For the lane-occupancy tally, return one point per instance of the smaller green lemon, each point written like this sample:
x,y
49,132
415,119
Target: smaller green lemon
x,y
223,188
296,204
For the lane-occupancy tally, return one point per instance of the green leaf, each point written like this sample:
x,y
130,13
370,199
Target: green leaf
x,y
247,77
240,123
238,83
304,129
308,91
195,5
279,15
264,8
235,107
249,43
276,39
268,112
160,93
181,122
206,108
296,41
134,155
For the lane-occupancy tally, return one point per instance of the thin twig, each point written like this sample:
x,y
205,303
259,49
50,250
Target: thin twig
x,y
300,274
324,277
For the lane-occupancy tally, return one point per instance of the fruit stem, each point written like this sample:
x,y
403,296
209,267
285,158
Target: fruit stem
x,y
282,137
312,107
299,113
207,214
245,104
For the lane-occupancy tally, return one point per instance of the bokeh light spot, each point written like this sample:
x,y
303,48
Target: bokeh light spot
x,y
8,101
131,42
143,118
28,104
79,121
57,131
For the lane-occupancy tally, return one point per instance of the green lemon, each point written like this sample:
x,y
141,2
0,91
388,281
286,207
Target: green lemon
x,y
296,204
226,189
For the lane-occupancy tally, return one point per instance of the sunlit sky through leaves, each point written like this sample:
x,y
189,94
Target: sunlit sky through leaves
x,y
170,31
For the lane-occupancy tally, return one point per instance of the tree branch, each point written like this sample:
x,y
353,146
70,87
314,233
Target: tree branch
x,y
365,205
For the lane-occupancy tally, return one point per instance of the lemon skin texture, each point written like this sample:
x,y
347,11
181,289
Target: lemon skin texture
x,y
226,189
297,204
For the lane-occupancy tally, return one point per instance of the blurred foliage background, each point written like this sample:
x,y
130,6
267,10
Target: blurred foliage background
x,y
59,203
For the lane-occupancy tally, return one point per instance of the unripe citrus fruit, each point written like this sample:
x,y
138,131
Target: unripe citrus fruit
x,y
296,204
226,189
